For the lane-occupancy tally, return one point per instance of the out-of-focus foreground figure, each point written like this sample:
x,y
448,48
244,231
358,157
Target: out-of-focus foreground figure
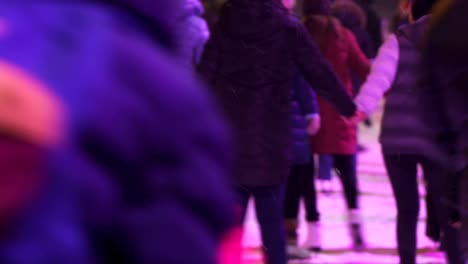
x,y
447,57
117,154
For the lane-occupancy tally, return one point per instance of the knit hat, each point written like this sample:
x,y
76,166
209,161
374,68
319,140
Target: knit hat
x,y
421,8
316,7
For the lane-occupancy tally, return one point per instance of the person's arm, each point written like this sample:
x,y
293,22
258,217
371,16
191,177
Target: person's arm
x,y
381,77
357,60
308,105
318,73
306,97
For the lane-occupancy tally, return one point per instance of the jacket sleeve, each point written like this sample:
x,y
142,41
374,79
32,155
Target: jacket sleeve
x,y
357,60
381,78
306,97
318,73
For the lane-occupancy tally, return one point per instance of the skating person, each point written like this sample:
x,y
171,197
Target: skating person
x,y
336,136
249,61
409,136
301,182
142,170
446,60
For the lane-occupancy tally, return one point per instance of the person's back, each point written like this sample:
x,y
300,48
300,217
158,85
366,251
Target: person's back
x,y
408,100
250,62
147,185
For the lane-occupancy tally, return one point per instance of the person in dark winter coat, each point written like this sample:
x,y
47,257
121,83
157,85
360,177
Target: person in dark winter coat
x,y
249,62
446,58
142,172
409,137
337,137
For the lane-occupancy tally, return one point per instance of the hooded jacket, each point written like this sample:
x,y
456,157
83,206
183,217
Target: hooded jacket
x,y
339,46
250,62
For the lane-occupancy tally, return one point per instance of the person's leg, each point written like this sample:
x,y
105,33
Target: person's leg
x,y
269,204
243,196
345,166
325,167
291,204
402,171
325,173
313,239
435,175
433,228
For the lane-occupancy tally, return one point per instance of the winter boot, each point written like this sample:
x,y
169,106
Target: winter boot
x,y
356,230
292,249
313,240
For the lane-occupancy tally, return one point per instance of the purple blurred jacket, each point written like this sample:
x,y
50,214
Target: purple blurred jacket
x,y
142,174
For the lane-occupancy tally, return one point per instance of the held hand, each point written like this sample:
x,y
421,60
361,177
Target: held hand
x,y
314,125
358,117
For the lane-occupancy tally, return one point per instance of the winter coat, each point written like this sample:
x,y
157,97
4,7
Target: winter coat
x,y
397,73
127,178
249,63
193,31
446,59
336,135
406,129
304,106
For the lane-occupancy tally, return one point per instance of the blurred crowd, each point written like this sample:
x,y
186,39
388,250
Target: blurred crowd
x,y
137,131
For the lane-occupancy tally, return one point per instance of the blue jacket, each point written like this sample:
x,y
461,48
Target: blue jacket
x,y
142,171
304,105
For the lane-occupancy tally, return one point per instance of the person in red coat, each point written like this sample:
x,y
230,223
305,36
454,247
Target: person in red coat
x,y
338,137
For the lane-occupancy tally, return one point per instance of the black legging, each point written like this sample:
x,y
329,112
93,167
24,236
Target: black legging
x,y
301,184
402,170
346,168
